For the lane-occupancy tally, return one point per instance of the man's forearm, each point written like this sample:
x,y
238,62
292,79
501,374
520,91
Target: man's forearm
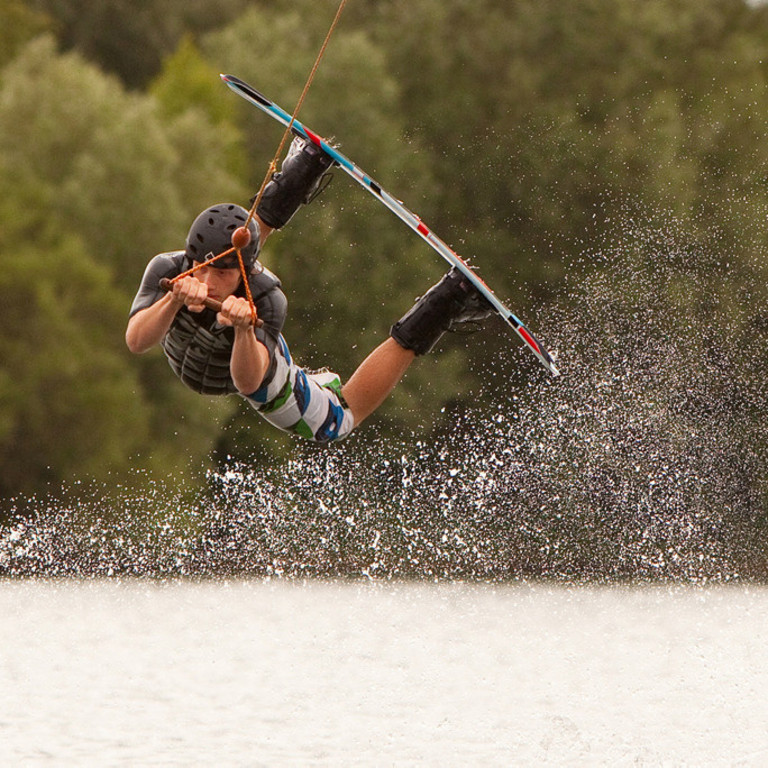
x,y
249,362
147,328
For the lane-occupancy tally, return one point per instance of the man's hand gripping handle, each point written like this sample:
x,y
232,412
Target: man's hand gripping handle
x,y
213,304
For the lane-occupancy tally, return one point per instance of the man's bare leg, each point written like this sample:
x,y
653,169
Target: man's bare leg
x,y
376,377
451,301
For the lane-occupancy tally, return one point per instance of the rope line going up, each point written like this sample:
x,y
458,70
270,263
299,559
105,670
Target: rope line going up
x,y
272,168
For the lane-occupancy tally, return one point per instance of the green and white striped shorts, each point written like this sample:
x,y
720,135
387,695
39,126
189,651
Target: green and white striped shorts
x,y
307,404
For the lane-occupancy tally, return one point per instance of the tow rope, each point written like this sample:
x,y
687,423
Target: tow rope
x,y
241,237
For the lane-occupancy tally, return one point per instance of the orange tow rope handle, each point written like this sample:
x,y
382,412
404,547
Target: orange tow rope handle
x,y
213,304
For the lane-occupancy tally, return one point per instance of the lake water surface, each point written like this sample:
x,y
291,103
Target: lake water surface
x,y
252,673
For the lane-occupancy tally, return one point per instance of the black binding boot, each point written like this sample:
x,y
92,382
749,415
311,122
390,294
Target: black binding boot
x,y
446,305
296,184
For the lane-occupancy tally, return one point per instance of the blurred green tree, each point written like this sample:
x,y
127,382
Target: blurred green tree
x,y
64,378
18,25
89,193
528,135
132,39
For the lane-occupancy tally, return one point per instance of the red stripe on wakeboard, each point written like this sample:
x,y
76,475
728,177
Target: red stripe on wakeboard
x,y
313,136
531,341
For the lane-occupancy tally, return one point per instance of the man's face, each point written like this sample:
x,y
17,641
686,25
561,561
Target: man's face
x,y
221,282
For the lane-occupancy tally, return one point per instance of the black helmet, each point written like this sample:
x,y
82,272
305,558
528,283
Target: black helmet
x,y
211,234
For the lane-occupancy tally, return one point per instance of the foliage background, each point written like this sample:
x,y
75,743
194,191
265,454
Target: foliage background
x,y
528,133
